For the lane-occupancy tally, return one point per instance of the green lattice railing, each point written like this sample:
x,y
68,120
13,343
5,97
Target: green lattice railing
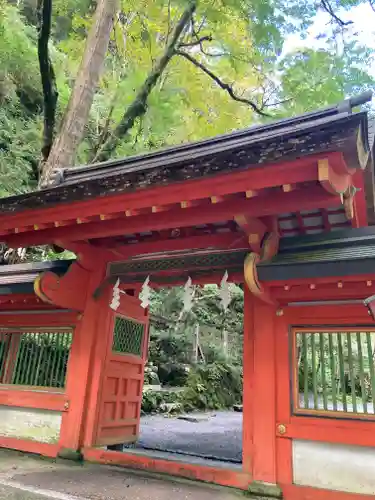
x,y
127,336
334,372
35,358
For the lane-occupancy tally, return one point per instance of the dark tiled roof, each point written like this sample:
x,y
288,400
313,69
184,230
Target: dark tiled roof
x,y
176,154
332,129
340,253
19,278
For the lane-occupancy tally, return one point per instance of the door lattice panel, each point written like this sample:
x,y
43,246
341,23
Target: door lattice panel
x,y
127,337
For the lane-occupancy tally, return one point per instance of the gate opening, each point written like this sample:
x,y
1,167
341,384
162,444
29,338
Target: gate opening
x,y
192,396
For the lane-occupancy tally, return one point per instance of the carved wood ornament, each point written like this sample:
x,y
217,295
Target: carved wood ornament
x,y
269,249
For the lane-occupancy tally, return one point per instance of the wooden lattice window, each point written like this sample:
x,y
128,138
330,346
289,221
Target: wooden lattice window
x,y
127,336
334,372
36,358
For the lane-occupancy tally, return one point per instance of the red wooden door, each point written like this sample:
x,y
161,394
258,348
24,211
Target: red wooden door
x,y
121,393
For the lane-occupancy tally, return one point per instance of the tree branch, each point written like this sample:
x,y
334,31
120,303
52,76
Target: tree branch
x,y
329,9
105,130
139,106
50,94
225,86
199,41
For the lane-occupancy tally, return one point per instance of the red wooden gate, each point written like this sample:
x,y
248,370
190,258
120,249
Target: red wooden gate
x,y
121,392
316,430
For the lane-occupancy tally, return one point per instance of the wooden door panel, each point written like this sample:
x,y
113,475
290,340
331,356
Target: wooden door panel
x,y
122,386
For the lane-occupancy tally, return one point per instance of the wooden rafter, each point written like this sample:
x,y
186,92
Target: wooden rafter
x,y
306,198
185,194
318,227
220,241
326,223
301,223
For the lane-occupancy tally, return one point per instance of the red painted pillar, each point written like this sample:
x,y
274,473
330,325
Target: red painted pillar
x,y
79,372
283,397
259,418
248,380
97,369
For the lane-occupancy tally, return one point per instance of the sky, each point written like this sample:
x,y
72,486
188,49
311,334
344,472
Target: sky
x,y
363,18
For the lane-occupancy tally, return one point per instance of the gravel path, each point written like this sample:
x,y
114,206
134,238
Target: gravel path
x,y
217,435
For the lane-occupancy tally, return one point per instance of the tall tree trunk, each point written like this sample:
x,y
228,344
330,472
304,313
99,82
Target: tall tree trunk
x,y
72,131
47,74
139,106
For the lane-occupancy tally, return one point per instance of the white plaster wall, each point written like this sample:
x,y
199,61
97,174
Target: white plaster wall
x,y
26,423
334,466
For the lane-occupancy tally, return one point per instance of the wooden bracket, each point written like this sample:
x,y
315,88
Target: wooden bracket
x,y
333,181
270,246
251,278
68,291
348,201
262,234
254,228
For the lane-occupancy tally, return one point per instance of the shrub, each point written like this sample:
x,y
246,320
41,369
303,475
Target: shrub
x,y
173,374
213,386
209,387
161,402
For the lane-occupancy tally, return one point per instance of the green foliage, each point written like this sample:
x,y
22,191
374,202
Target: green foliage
x,y
21,101
216,381
173,337
208,387
161,402
305,73
324,367
213,386
244,49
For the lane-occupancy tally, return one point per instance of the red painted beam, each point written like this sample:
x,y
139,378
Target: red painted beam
x,y
227,240
304,199
250,179
209,474
29,446
212,277
112,243
318,292
45,400
351,431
